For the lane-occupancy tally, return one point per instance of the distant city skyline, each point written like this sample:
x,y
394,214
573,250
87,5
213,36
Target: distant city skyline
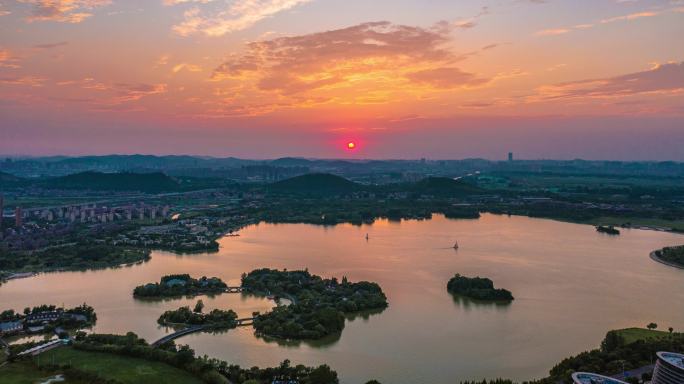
x,y
262,79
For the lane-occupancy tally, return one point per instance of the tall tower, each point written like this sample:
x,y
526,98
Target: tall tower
x,y
2,211
510,156
18,217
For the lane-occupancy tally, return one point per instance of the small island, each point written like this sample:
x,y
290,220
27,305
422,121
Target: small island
x,y
180,285
672,256
477,288
216,319
607,229
318,306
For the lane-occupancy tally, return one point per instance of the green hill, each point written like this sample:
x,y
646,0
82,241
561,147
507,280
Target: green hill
x,y
8,180
143,182
6,177
314,184
444,186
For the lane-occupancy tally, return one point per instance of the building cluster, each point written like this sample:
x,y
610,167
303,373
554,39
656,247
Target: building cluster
x,y
669,369
93,213
180,235
36,227
37,322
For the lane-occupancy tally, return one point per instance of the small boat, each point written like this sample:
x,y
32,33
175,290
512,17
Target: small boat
x,y
366,236
456,245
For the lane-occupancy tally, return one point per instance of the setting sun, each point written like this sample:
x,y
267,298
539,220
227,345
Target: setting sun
x,y
351,145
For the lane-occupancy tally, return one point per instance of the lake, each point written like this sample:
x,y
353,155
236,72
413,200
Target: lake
x,y
571,284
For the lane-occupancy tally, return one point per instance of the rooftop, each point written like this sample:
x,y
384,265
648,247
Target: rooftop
x,y
676,359
593,378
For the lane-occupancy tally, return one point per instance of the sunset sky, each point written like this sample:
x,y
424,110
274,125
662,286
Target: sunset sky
x,y
595,79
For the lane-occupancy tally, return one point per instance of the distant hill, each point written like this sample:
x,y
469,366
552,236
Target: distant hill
x,y
444,186
291,162
8,180
6,177
143,182
314,184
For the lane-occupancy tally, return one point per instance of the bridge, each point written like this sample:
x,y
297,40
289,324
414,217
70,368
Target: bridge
x,y
196,328
177,334
245,321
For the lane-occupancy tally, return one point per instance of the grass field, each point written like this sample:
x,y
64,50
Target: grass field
x,y
123,369
631,335
25,372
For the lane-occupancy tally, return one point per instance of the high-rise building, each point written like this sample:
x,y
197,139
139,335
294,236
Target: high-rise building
x,y
2,209
510,156
669,368
18,217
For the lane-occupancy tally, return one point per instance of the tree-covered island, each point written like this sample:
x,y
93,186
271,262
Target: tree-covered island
x,y
180,285
608,229
215,319
477,288
318,305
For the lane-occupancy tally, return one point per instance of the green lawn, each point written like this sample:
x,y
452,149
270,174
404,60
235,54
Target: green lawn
x,y
120,368
25,372
631,335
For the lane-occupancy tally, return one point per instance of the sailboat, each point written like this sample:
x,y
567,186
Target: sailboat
x,y
366,236
456,245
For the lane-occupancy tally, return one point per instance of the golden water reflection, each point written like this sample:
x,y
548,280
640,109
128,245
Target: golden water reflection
x,y
571,285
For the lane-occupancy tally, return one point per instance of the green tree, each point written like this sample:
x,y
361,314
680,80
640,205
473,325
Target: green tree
x,y
323,375
671,330
652,326
199,307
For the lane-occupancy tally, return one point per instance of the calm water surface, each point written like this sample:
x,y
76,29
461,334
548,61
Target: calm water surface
x,y
571,285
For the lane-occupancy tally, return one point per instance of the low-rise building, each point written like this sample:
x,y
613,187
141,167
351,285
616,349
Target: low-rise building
x,y
10,327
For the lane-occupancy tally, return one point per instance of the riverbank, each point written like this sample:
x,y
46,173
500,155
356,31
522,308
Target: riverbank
x,y
655,257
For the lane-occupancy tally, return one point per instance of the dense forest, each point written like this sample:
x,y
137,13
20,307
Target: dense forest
x,y
71,257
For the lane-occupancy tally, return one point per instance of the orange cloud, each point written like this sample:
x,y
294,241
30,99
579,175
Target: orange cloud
x,y
561,31
32,81
447,77
241,14
662,78
8,60
379,55
65,11
632,16
186,66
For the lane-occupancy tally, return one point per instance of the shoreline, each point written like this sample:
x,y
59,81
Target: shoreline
x,y
654,257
